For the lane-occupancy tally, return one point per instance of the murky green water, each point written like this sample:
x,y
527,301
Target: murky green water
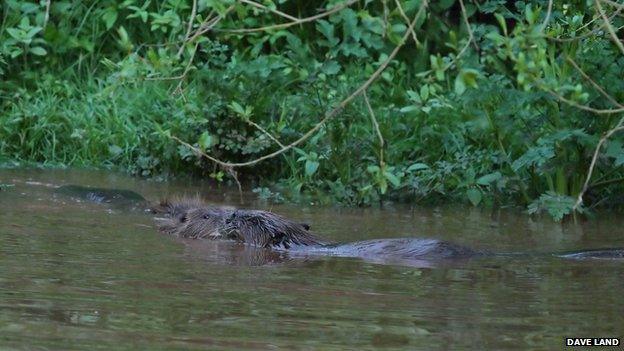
x,y
83,276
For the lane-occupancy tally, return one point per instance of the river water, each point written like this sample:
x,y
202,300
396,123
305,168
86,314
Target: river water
x,y
84,276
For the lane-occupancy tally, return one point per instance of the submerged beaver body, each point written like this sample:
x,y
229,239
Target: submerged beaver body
x,y
120,198
192,219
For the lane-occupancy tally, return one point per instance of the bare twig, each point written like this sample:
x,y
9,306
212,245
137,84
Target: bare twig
x,y
213,22
385,17
257,126
47,13
547,18
293,23
464,48
210,23
608,134
588,34
376,126
471,38
583,107
189,28
189,65
184,73
400,8
234,175
614,4
605,182
610,29
331,114
279,13
593,83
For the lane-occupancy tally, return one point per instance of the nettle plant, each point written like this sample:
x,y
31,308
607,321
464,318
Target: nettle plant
x,y
23,40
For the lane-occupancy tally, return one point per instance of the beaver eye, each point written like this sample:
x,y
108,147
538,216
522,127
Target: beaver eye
x,y
206,216
183,219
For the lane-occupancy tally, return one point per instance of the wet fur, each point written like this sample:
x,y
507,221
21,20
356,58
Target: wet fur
x,y
190,218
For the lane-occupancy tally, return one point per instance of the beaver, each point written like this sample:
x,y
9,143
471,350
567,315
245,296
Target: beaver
x,y
120,198
191,218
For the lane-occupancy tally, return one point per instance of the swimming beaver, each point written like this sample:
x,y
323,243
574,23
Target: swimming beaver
x,y
192,218
120,198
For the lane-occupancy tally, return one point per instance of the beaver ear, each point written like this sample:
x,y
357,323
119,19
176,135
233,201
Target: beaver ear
x,y
305,226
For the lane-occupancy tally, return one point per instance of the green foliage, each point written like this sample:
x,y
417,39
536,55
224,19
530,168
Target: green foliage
x,y
109,84
267,195
555,204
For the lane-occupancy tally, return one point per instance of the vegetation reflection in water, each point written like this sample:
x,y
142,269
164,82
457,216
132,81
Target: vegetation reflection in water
x,y
85,276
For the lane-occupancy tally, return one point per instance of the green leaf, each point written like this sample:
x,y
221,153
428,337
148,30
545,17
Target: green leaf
x,y
15,52
28,7
414,96
24,22
489,178
424,92
38,50
373,169
409,108
392,178
535,156
437,65
530,15
469,76
327,29
474,195
15,33
466,78
444,4
502,22
109,17
114,150
615,151
302,153
311,167
460,87
237,108
205,141
331,68
555,204
383,186
33,31
417,167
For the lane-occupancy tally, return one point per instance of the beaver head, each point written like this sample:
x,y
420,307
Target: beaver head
x,y
192,219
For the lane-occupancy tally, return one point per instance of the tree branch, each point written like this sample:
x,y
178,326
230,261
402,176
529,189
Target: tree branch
x,y
293,23
331,114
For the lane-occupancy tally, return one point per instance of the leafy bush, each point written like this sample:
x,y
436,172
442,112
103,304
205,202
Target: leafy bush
x,y
494,113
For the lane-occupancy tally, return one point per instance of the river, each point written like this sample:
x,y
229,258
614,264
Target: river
x,y
83,276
